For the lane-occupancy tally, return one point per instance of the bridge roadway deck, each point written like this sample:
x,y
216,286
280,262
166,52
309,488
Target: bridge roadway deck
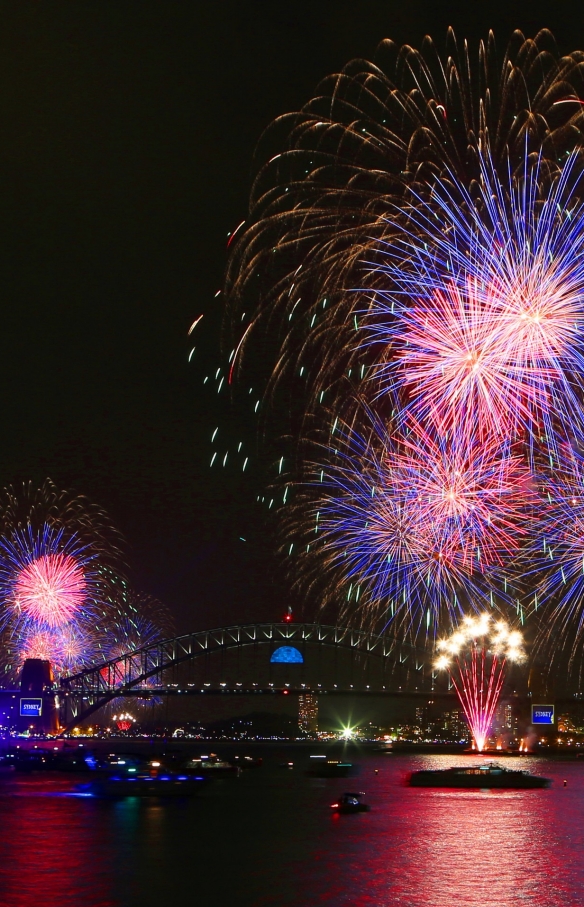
x,y
272,691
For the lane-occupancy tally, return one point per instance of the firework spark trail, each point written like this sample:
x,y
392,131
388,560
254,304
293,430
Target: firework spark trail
x,y
480,650
478,688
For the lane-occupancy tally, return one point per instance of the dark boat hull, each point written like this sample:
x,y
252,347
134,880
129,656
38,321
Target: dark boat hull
x,y
504,781
144,787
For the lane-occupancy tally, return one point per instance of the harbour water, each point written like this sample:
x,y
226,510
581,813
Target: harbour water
x,y
268,838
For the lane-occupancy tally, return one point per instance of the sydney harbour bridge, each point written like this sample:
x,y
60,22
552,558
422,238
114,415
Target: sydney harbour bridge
x,y
259,659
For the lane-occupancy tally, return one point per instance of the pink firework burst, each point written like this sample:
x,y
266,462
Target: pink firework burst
x,y
534,295
489,357
38,644
452,364
51,589
470,496
67,648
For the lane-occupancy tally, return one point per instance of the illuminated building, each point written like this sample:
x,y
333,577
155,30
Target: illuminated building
x,y
421,718
505,721
455,726
566,725
308,713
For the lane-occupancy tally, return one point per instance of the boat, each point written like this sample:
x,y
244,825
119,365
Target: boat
x,y
127,775
117,762
350,803
144,786
211,763
144,782
489,775
36,760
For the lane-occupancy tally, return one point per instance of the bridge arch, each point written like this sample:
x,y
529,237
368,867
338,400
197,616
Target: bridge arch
x,y
145,671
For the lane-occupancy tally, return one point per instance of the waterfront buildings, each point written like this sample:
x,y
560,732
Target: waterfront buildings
x,y
308,713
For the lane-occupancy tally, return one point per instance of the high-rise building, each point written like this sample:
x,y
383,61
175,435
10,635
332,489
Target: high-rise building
x,y
455,726
308,713
505,720
422,718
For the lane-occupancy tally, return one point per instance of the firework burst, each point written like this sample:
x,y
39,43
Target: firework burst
x,y
51,589
69,649
48,579
57,577
415,525
415,248
141,621
415,154
556,556
475,656
484,320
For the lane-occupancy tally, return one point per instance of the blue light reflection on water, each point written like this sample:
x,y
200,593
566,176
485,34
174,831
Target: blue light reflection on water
x,y
269,839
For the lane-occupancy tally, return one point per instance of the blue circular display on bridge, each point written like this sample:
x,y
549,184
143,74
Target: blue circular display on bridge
x,y
286,655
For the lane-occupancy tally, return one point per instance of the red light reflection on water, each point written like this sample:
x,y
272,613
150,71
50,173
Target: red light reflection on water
x,y
441,848
270,839
54,855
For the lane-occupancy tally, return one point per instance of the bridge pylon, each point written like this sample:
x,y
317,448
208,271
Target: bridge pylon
x,y
39,706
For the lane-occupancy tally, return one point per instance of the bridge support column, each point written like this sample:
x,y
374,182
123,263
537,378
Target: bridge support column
x,y
38,706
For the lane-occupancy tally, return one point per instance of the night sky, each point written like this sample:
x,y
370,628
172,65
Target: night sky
x,y
127,134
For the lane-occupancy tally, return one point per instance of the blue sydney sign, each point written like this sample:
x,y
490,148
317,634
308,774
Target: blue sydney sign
x,y
542,714
31,708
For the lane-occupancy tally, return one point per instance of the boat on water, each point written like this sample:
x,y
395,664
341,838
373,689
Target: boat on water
x,y
212,764
126,775
144,785
489,775
350,803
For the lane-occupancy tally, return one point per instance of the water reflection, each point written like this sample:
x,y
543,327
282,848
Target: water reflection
x,y
438,848
269,839
52,853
